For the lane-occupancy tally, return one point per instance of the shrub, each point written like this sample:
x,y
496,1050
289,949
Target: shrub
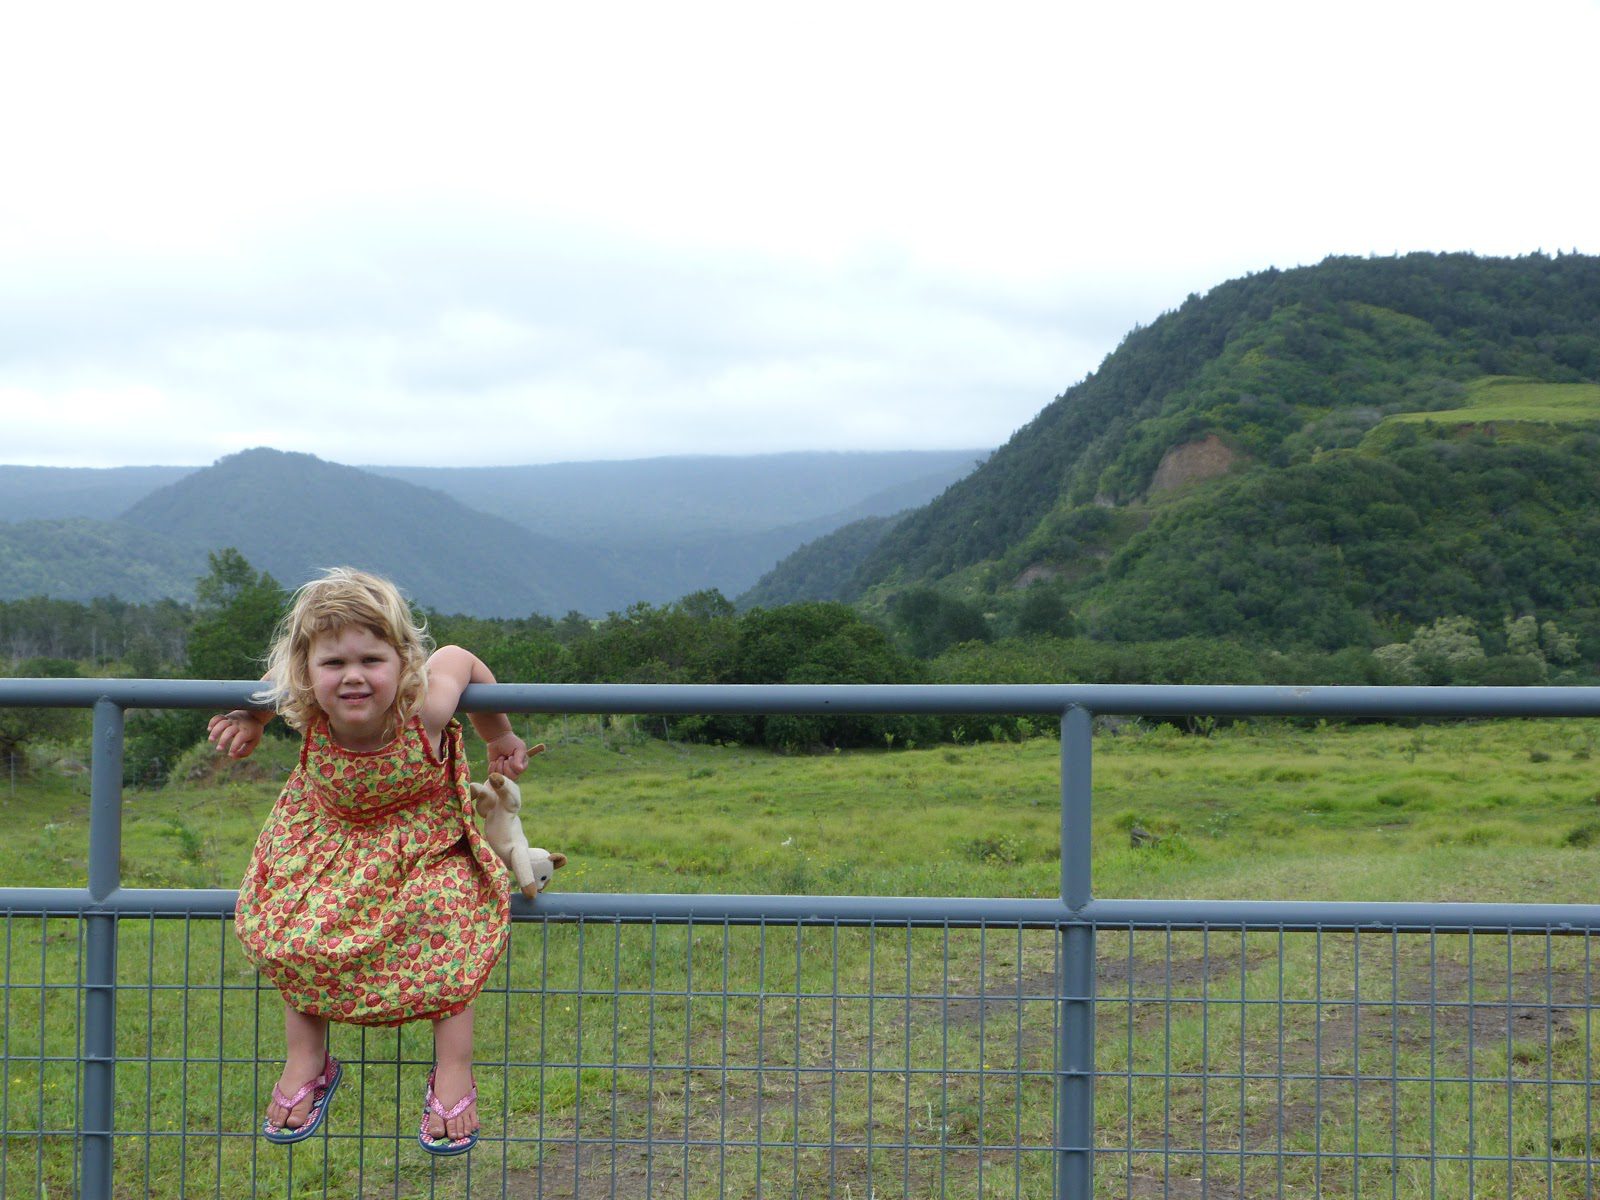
x,y
1583,835
993,850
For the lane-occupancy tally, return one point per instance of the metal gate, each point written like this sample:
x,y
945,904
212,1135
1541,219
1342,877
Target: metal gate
x,y
733,1046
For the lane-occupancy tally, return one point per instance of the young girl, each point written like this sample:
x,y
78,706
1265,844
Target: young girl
x,y
371,898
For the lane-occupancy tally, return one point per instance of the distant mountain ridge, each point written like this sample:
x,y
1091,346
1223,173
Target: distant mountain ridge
x,y
293,514
99,493
667,528
699,495
670,526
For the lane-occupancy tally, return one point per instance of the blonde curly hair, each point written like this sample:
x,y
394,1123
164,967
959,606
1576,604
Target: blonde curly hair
x,y
341,597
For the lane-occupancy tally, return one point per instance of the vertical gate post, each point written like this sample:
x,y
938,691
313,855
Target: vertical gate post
x,y
1075,1049
98,1064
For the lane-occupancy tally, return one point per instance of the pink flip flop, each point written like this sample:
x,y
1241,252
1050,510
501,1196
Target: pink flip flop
x,y
320,1090
445,1144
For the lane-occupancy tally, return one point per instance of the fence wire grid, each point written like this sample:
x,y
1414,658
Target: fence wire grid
x,y
852,1047
643,1059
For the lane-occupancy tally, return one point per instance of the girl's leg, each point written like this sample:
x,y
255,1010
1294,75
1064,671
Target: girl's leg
x,y
307,1040
452,1078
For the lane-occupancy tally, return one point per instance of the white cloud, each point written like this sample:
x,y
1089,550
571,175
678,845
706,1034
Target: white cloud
x,y
638,229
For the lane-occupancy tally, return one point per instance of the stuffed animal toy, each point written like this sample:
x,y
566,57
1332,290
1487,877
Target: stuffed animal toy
x,y
499,801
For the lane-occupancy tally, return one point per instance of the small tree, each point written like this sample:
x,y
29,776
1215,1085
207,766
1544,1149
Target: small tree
x,y
1436,654
930,622
1522,636
1043,612
237,610
1542,645
22,728
820,642
1559,647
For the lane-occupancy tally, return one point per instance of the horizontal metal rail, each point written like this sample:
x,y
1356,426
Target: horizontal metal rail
x,y
952,911
820,699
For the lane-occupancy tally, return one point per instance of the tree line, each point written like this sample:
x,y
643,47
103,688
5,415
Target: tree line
x,y
925,636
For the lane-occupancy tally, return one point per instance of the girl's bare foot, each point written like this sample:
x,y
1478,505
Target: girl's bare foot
x,y
306,1038
450,1083
296,1072
452,1076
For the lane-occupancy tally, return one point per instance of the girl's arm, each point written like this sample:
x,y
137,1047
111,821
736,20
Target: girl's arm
x,y
450,670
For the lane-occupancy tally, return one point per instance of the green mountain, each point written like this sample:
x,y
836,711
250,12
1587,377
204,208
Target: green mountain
x,y
822,568
604,535
1320,457
293,514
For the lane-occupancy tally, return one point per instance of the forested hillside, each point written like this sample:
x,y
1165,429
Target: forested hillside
x,y
79,559
821,569
1323,457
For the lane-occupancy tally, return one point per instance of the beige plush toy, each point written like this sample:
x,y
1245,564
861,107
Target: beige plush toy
x,y
499,802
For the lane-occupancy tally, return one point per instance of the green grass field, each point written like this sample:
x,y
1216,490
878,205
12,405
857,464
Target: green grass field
x,y
891,1062
1507,400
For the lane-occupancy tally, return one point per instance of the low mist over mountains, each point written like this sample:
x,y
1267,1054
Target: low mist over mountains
x,y
501,541
670,526
51,493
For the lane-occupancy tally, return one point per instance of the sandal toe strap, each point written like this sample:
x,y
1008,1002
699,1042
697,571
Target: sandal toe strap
x,y
459,1107
306,1088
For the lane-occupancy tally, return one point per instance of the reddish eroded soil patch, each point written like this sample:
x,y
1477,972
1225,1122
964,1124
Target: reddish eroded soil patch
x,y
1192,462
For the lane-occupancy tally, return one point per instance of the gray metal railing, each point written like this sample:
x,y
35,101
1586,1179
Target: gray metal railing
x,y
1094,960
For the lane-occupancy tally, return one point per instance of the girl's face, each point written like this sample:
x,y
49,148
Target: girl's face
x,y
355,675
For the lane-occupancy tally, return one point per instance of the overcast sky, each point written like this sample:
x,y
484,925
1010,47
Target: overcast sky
x,y
489,234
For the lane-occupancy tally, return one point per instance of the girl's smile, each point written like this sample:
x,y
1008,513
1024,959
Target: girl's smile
x,y
355,676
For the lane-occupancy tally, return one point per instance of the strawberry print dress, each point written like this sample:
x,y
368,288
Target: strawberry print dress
x,y
371,897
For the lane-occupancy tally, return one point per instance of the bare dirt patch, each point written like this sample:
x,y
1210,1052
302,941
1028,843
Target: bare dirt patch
x,y
1193,462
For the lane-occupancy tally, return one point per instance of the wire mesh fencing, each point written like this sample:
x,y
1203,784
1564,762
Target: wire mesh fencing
x,y
855,1047
1263,1062
699,1058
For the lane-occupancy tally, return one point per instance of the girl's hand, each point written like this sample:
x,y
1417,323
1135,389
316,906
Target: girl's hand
x,y
508,754
235,734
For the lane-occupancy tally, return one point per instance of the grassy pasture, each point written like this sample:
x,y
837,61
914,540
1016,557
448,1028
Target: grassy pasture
x,y
1504,399
892,1062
